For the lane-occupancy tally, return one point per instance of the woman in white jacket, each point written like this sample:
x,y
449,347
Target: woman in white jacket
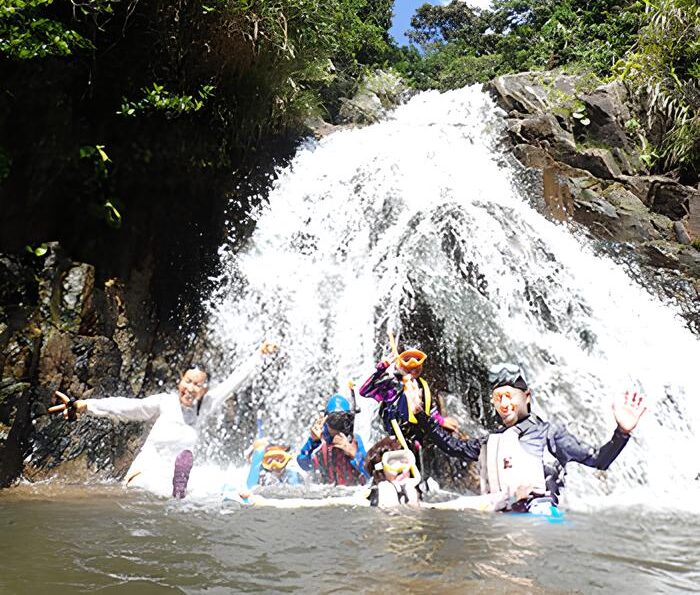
x,y
165,460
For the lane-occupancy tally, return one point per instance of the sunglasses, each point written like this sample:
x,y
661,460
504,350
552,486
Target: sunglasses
x,y
497,397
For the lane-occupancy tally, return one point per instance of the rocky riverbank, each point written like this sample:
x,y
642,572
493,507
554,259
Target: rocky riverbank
x,y
62,330
586,158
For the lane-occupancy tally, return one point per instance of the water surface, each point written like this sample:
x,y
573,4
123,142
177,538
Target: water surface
x,y
63,539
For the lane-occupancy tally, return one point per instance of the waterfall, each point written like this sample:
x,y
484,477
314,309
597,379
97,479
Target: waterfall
x,y
421,215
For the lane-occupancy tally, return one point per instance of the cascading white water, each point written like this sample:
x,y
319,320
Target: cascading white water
x,y
364,219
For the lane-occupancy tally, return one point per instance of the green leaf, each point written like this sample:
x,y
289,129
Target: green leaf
x,y
100,150
39,251
112,215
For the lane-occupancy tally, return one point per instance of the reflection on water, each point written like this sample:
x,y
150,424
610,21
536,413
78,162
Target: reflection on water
x,y
102,538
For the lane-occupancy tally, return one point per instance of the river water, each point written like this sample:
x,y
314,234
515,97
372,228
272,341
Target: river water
x,y
63,539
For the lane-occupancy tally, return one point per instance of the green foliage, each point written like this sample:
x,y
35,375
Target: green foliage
x,y
29,29
450,67
37,251
159,99
99,184
185,98
456,22
112,215
663,68
519,35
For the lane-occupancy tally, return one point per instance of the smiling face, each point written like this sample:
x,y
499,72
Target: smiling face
x,y
192,387
511,403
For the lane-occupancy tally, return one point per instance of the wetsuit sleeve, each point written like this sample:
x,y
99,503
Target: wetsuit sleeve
x,y
359,461
435,414
378,384
304,459
468,450
243,374
126,409
566,447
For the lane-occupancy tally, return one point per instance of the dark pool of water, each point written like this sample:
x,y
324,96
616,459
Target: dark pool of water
x,y
56,539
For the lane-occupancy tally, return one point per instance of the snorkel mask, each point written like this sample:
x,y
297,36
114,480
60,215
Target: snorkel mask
x,y
342,422
398,463
410,360
276,457
506,374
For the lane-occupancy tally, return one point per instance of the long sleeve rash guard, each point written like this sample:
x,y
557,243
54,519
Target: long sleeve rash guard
x,y
176,428
306,455
536,435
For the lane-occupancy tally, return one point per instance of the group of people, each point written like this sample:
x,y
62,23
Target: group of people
x,y
514,474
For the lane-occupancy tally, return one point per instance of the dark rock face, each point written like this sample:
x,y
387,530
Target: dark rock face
x,y
581,137
607,109
671,199
60,331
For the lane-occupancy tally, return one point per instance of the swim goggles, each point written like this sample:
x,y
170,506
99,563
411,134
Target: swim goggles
x,y
507,374
276,458
411,359
398,462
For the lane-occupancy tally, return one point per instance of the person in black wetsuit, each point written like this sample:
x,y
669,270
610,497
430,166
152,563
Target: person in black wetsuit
x,y
511,458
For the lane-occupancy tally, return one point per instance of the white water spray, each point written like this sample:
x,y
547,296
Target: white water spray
x,y
422,207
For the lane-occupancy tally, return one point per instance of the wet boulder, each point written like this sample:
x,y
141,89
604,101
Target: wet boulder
x,y
531,93
670,198
599,162
606,110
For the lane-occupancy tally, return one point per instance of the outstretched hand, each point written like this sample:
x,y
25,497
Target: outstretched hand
x,y
450,424
69,407
268,347
316,429
260,443
346,444
628,410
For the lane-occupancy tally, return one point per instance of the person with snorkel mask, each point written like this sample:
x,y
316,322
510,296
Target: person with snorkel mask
x,y
512,457
165,460
334,452
393,483
389,385
276,466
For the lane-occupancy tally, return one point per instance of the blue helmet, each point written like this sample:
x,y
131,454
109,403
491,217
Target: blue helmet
x,y
337,403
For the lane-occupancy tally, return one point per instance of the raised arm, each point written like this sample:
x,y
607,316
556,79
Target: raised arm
x,y
239,378
468,450
628,409
305,457
381,386
566,448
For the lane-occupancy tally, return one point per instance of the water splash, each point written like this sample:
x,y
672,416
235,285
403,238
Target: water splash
x,y
423,208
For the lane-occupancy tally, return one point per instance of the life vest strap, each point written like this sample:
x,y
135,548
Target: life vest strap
x,y
428,401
